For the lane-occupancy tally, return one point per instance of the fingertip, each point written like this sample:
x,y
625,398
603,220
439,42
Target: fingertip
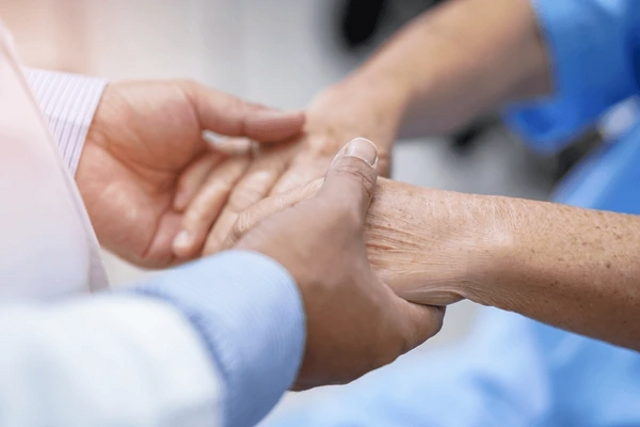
x,y
363,149
352,175
181,201
273,126
183,244
285,115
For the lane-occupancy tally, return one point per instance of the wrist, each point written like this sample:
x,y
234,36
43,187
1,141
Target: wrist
x,y
364,105
435,247
492,252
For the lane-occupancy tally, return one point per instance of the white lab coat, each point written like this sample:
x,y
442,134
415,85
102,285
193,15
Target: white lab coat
x,y
110,360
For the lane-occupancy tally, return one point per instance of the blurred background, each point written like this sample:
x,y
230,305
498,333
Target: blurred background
x,y
278,52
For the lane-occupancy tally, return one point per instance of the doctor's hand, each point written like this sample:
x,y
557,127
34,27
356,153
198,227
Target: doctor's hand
x,y
355,322
145,156
333,118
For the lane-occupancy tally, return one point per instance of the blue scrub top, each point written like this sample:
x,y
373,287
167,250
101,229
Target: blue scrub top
x,y
513,371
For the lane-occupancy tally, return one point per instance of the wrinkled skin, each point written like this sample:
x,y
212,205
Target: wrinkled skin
x,y
423,243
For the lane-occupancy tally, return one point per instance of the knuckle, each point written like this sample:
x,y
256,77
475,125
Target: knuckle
x,y
187,82
242,224
242,198
189,86
358,171
195,216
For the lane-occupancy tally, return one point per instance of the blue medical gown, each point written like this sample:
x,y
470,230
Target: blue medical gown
x,y
513,371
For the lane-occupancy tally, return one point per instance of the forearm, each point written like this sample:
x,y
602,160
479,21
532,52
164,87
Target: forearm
x,y
572,268
463,59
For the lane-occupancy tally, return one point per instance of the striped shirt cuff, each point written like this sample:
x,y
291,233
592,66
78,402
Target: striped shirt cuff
x,y
69,103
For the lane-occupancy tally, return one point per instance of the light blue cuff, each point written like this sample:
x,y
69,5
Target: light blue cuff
x,y
592,56
249,312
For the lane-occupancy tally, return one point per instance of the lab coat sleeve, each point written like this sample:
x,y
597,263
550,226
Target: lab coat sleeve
x,y
215,343
108,361
69,102
593,49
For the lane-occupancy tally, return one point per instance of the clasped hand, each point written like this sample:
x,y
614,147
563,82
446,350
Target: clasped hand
x,y
146,165
355,322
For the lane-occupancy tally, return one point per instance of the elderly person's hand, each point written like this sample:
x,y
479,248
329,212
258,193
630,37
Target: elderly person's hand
x,y
331,121
145,157
355,323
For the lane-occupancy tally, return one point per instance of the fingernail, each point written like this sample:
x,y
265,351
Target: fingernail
x,y
363,149
182,240
277,114
212,138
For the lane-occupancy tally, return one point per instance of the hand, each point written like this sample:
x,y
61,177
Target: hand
x,y
145,155
355,323
427,245
332,120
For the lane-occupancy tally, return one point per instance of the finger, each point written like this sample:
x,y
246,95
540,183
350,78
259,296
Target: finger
x,y
300,173
229,146
227,115
206,206
351,179
253,187
192,178
418,322
251,217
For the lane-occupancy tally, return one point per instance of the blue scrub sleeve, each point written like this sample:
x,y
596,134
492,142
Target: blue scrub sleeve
x,y
593,49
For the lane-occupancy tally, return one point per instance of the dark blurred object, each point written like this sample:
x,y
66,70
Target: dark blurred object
x,y
364,21
464,140
570,156
361,20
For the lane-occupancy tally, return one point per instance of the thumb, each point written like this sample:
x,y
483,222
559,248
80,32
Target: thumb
x,y
352,177
251,217
227,115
